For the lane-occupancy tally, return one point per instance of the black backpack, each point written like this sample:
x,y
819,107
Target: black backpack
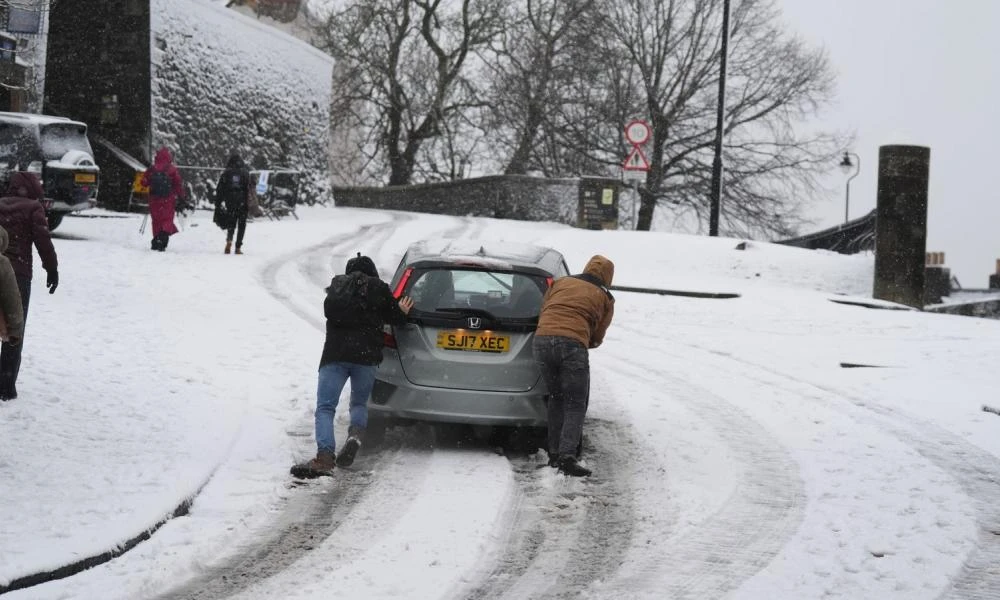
x,y
234,190
347,301
159,184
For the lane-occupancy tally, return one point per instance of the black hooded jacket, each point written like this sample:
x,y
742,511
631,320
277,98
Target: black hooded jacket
x,y
232,192
357,336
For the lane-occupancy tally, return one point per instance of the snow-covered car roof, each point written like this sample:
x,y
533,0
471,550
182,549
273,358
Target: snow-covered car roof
x,y
37,119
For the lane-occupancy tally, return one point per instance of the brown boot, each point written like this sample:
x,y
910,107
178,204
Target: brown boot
x,y
229,247
323,464
239,250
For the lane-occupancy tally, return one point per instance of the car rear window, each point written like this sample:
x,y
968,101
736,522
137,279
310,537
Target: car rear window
x,y
502,294
60,138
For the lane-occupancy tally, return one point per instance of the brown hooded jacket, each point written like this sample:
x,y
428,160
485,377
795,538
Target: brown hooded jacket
x,y
10,297
579,309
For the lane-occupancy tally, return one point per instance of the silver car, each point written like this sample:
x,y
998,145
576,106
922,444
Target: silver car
x,y
464,355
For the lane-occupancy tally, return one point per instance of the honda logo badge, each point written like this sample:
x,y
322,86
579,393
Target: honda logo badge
x,y
475,322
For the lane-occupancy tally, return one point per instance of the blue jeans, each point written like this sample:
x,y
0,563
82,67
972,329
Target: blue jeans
x,y
332,378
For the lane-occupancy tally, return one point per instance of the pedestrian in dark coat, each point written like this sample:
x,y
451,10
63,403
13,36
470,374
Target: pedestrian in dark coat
x,y
11,311
165,187
358,305
233,201
23,216
576,313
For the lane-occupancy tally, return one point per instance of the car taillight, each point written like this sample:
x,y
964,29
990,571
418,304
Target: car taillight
x,y
402,285
388,340
548,281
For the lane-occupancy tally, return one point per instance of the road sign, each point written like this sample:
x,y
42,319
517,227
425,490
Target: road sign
x,y
633,175
637,132
636,161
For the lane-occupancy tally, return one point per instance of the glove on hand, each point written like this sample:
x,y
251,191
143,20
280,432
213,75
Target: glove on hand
x,y
52,281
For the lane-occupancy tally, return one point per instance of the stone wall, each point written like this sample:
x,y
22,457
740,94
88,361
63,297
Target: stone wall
x,y
518,197
987,309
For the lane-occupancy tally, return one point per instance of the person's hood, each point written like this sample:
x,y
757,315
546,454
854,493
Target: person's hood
x,y
602,268
4,240
235,162
162,158
25,184
361,264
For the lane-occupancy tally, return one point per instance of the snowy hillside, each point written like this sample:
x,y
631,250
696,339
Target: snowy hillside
x,y
734,455
218,70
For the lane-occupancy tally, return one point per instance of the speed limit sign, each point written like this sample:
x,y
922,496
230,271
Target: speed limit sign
x,y
637,132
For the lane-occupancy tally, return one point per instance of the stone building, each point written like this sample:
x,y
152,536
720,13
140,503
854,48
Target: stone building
x,y
190,75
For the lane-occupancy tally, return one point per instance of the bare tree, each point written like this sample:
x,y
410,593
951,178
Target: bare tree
x,y
660,61
529,66
400,78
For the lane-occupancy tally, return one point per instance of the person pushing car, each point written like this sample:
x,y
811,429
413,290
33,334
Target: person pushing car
x,y
576,313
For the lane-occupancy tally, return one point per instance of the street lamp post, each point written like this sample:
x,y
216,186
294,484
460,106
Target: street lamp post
x,y
715,198
846,165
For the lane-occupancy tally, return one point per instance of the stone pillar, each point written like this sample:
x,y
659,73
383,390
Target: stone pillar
x,y
901,226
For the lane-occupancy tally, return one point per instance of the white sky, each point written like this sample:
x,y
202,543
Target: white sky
x,y
919,72
731,451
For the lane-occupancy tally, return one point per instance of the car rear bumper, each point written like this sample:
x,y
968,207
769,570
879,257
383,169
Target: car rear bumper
x,y
64,207
408,401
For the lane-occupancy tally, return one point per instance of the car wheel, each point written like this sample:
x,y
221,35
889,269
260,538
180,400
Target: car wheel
x,y
54,220
375,432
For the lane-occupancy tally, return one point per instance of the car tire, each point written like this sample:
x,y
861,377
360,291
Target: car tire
x,y
374,435
54,220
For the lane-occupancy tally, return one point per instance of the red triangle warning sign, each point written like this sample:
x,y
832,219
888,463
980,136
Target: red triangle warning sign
x,y
636,161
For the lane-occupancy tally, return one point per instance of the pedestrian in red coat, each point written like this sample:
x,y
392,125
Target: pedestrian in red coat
x,y
165,187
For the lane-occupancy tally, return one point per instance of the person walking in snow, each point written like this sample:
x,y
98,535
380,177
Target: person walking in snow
x,y
234,200
11,311
358,305
23,217
576,313
165,187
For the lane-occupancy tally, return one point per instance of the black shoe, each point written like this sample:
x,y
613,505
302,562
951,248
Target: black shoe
x,y
569,466
553,460
348,452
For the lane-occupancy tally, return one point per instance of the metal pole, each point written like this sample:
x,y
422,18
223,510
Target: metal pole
x,y
716,198
847,199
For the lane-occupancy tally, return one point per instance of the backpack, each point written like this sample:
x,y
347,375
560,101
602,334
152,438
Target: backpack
x,y
347,303
233,191
159,184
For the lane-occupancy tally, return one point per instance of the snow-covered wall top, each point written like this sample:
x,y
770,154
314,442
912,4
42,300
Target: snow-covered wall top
x,y
223,82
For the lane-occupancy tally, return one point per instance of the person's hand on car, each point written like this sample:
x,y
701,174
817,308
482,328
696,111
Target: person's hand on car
x,y
405,304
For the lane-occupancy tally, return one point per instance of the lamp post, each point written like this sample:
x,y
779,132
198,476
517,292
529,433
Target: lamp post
x,y
846,165
715,199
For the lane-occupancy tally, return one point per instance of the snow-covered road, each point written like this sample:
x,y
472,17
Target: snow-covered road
x,y
733,455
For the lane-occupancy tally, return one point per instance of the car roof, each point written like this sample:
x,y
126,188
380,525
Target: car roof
x,y
37,119
503,255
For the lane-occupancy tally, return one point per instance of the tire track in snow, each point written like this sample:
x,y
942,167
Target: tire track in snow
x,y
717,555
976,471
312,513
562,534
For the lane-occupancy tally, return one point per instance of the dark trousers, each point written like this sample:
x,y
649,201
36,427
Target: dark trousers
x,y
565,366
10,356
239,226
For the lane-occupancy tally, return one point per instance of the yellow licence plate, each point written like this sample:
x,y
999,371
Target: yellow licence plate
x,y
472,341
84,178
